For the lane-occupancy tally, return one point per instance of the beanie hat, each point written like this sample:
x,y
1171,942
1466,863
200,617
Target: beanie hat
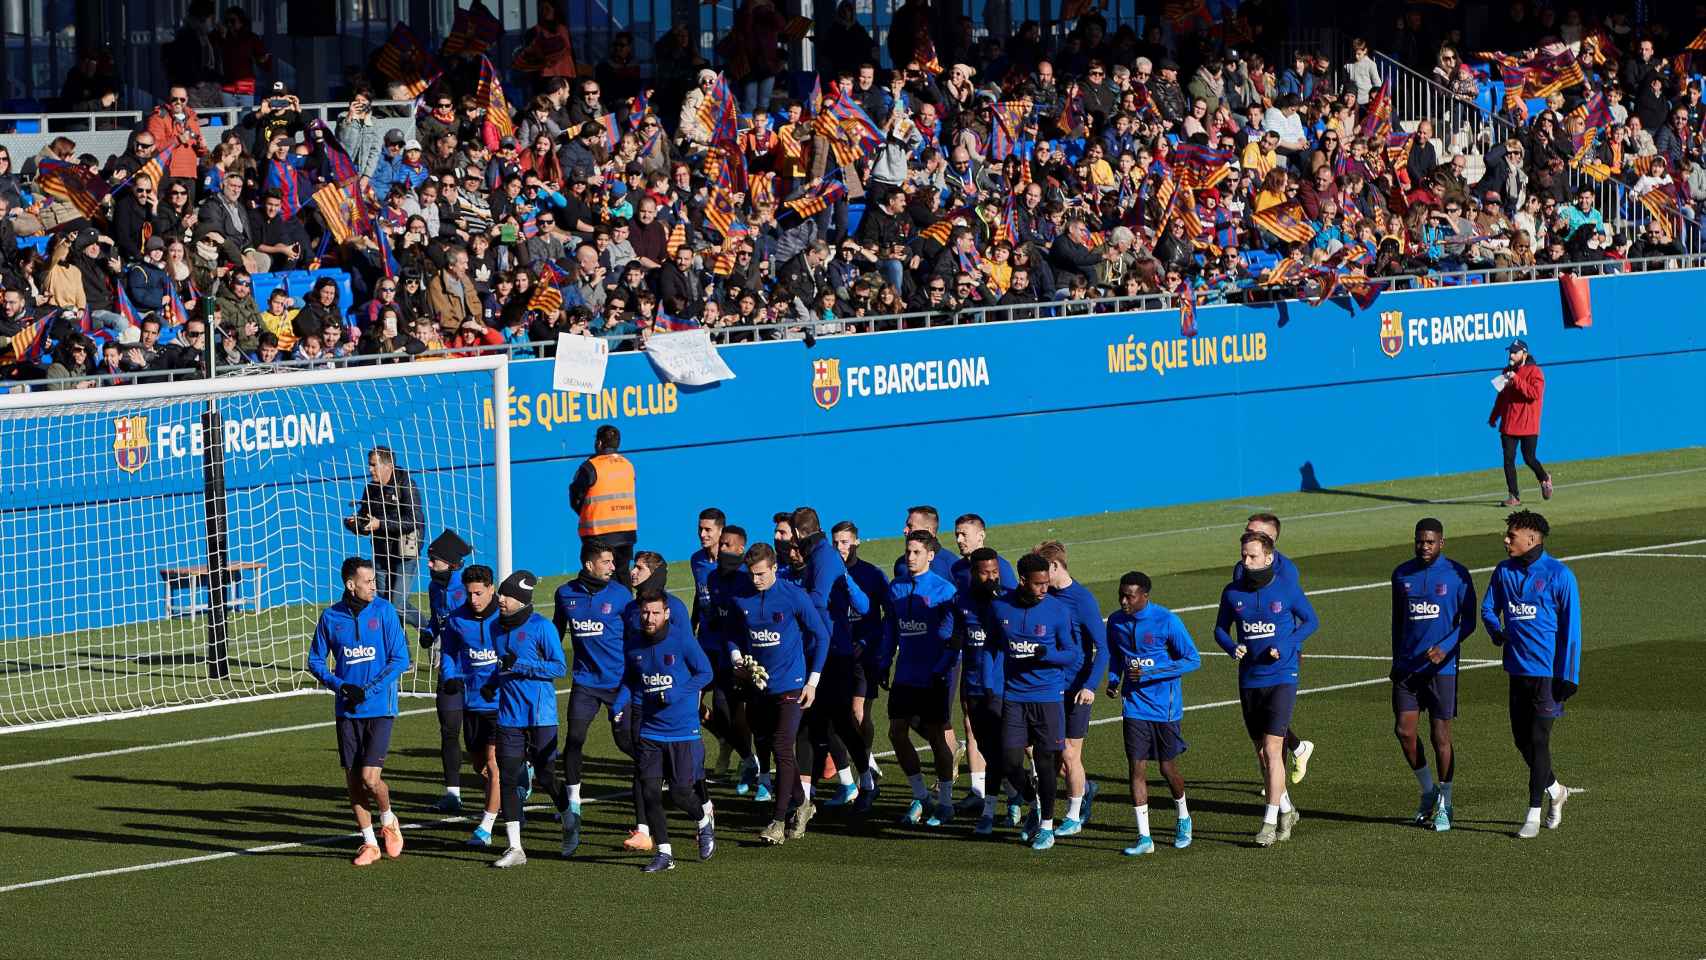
x,y
519,586
450,548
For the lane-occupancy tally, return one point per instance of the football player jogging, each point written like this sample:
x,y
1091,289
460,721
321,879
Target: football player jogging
x,y
530,661
970,535
838,597
1262,623
919,630
1433,612
981,681
444,595
1090,634
866,632
728,699
1297,750
469,659
1035,646
363,638
1534,611
777,646
1149,651
664,674
588,615
929,519
701,564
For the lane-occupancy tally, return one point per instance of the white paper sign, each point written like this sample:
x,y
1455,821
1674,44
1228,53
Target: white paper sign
x,y
580,363
688,357
1500,381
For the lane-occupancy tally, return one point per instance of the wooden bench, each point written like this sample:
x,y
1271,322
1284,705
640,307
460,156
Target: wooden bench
x,y
196,576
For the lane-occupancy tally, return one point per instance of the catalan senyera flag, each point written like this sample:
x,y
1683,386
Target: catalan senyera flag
x,y
943,228
1202,167
490,94
473,32
73,183
1698,43
677,239
1377,122
820,197
1285,221
720,211
28,344
1009,123
926,56
337,209
405,61
546,298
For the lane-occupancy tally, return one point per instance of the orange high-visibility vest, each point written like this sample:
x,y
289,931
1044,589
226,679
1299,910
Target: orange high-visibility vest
x,y
610,505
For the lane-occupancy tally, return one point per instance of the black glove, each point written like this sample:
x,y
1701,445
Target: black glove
x,y
427,639
451,687
352,695
507,661
490,690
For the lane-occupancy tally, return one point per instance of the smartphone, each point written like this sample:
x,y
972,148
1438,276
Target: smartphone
x,y
278,103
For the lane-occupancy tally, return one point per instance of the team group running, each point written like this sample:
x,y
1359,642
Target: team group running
x,y
790,644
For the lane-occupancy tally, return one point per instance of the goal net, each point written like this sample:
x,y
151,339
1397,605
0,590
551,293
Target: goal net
x,y
172,545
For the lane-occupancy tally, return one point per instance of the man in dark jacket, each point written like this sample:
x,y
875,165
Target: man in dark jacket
x,y
389,511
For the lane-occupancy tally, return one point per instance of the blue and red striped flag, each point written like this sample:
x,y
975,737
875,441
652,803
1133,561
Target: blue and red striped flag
x,y
638,109
385,255
405,61
122,306
473,32
73,183
676,324
281,176
1187,308
549,272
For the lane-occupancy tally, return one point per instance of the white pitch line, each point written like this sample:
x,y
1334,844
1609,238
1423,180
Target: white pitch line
x,y
1352,511
144,748
1687,556
324,841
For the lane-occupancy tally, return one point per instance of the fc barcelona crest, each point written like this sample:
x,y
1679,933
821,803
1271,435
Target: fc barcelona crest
x,y
130,443
1392,332
826,382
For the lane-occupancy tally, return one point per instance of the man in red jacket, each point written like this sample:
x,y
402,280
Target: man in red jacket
x,y
1516,412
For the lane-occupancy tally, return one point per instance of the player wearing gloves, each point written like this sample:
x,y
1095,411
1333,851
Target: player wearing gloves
x,y
469,661
530,660
445,595
1149,651
363,638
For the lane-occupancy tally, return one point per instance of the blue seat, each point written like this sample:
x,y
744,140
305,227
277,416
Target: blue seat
x,y
299,282
855,213
27,126
1260,261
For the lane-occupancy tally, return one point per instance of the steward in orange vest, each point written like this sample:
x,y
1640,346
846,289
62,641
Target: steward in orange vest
x,y
602,493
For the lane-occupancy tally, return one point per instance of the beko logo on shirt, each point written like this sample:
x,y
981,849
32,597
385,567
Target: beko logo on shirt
x,y
657,681
482,658
1260,628
362,654
913,626
976,636
1423,610
1521,611
592,627
765,638
1023,648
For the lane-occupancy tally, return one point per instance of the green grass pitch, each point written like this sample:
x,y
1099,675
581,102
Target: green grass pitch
x,y
223,833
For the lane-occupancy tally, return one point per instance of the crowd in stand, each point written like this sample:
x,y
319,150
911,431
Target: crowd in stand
x,y
1017,171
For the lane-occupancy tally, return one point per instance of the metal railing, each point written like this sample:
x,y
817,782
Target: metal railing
x,y
739,334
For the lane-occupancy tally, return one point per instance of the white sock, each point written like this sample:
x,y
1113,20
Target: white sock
x,y
1270,813
487,820
944,791
979,783
1533,815
917,782
454,791
1048,825
871,764
1445,792
666,850
989,806
367,835
844,776
867,783
1142,819
1425,779
806,786
1285,802
574,795
1182,808
387,818
705,821
1557,790
513,828
645,829
1074,806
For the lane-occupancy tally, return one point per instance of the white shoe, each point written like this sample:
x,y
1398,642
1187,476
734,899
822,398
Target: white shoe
x,y
1300,760
1555,807
513,857
1529,829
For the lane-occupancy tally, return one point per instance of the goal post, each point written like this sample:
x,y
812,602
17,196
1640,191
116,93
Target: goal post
x,y
168,546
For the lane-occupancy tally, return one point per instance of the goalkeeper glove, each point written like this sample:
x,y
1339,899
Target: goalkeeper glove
x,y
451,687
490,690
507,661
352,695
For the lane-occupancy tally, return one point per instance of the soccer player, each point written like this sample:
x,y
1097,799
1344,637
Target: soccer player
x,y
927,518
363,638
589,615
917,645
830,722
444,595
1089,632
1262,623
981,683
728,699
1297,750
530,661
704,560
866,633
470,660
778,647
1433,612
1035,647
1534,611
664,673
1150,650
970,535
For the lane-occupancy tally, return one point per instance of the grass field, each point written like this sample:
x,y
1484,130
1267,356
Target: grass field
x,y
223,832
